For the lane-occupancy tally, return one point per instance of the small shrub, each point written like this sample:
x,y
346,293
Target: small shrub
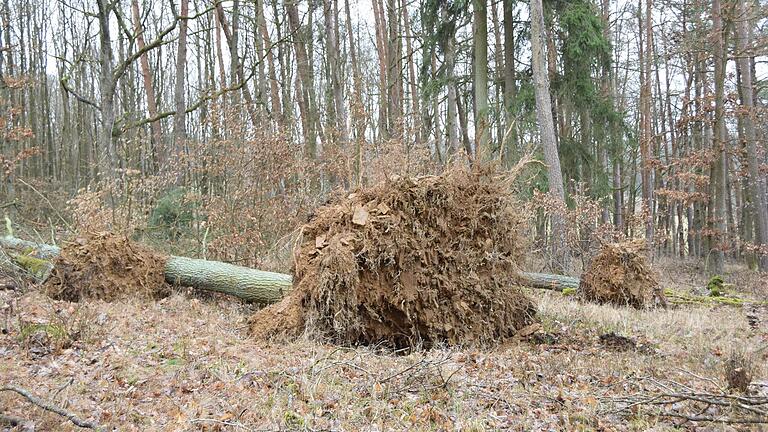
x,y
173,212
715,286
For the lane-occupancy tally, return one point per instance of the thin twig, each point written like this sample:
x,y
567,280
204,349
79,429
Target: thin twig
x,y
48,406
763,420
707,379
221,422
69,227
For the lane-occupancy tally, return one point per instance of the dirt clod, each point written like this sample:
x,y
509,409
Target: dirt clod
x,y
409,262
620,274
619,343
106,266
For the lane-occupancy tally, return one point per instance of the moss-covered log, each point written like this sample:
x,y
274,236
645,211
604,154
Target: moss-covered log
x,y
37,250
40,268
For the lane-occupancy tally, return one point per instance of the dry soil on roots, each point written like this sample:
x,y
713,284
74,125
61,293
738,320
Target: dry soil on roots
x,y
409,262
620,274
107,267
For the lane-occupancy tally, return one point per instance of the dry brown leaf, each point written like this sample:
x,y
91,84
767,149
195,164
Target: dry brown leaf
x,y
529,330
361,216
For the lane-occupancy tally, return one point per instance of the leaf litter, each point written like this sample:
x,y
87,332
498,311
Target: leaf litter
x,y
180,364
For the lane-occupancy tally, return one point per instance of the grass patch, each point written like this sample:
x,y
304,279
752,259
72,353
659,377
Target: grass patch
x,y
55,332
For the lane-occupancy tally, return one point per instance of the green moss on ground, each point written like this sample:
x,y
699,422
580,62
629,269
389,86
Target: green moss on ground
x,y
676,297
36,266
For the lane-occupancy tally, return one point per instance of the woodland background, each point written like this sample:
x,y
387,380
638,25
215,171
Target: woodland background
x,y
213,129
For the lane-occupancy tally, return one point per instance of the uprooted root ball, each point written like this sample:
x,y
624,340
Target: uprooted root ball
x,y
411,261
108,267
620,274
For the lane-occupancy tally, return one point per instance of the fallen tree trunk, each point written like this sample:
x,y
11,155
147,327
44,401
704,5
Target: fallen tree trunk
x,y
37,250
548,281
246,283
242,282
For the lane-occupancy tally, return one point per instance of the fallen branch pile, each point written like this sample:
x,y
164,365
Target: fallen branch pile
x,y
677,400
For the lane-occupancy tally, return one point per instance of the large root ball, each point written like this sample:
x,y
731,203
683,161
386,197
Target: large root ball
x,y
106,266
409,262
620,274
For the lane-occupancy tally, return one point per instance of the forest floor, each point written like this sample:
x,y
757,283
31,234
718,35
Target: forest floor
x,y
186,363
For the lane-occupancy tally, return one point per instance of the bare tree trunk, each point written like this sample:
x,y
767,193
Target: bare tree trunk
x,y
464,127
274,91
231,34
108,154
718,214
357,106
415,97
757,207
452,111
646,133
284,66
510,84
306,88
394,66
149,88
381,48
335,66
179,90
699,140
497,83
560,257
480,8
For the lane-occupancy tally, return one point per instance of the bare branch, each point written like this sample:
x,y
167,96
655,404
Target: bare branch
x,y
49,406
77,95
195,16
190,108
160,40
126,30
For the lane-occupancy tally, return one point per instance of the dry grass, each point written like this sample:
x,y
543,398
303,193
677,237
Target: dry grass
x,y
695,332
186,363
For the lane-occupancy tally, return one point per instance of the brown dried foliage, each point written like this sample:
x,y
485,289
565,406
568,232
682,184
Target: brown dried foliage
x,y
107,267
409,262
620,274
